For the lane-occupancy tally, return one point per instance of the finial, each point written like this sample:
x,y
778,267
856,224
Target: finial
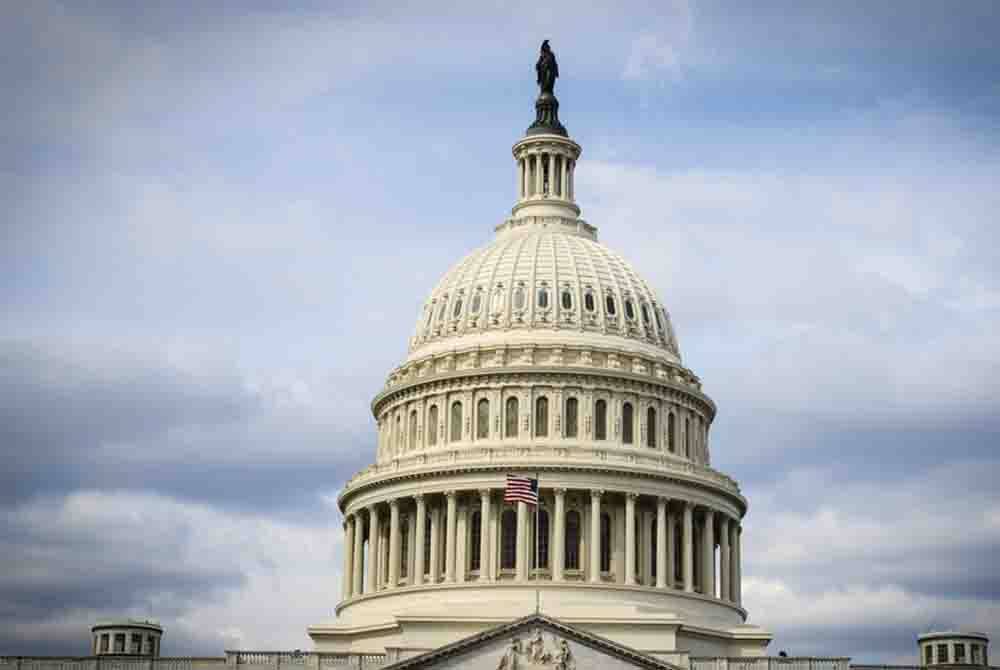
x,y
546,106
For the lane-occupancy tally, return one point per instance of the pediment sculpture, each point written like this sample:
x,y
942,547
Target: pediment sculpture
x,y
537,654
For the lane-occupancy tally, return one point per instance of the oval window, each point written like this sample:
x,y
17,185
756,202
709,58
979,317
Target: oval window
x,y
477,302
519,298
543,298
567,299
457,309
609,305
629,310
588,301
645,314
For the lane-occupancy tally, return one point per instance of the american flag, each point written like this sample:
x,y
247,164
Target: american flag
x,y
521,489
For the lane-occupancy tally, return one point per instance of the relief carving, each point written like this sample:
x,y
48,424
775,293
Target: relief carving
x,y
537,654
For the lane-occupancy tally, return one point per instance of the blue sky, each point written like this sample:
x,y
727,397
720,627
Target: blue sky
x,y
222,222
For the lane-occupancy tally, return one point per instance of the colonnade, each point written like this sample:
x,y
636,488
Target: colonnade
x,y
582,535
542,173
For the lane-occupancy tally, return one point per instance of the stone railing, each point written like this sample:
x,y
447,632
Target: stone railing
x,y
257,660
304,660
770,663
435,459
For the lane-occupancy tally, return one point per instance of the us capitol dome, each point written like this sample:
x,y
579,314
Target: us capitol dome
x,y
543,355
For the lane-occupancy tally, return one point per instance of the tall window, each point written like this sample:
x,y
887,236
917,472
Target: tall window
x,y
432,426
687,437
399,429
572,548
609,305
601,420
627,423
942,653
572,407
541,417
588,301
510,428
456,421
508,540
605,542
929,655
670,433
541,558
404,547
413,430
651,427
483,418
475,541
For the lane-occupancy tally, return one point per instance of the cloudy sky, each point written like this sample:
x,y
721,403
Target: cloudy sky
x,y
220,224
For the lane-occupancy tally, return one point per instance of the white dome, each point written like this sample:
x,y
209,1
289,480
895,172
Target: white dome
x,y
543,281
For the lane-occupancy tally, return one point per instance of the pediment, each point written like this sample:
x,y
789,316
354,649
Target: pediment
x,y
536,642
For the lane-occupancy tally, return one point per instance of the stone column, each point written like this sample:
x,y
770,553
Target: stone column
x,y
724,570
630,537
708,553
559,550
595,535
733,560
484,535
661,543
449,540
671,546
418,540
348,580
358,573
564,189
521,551
374,537
461,546
435,566
738,582
538,174
688,548
393,544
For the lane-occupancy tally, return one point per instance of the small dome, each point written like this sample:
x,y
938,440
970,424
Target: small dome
x,y
544,284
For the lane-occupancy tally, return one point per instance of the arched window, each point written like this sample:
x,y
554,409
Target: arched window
x,y
483,418
413,430
475,543
651,428
609,305
652,547
508,540
629,309
572,419
432,426
404,546
627,423
541,417
670,432
541,558
567,299
543,297
510,428
687,438
605,542
456,421
572,548
601,420
588,301
645,314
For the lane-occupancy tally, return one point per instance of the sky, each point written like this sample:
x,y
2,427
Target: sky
x,y
221,221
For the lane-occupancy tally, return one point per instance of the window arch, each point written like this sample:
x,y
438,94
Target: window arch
x,y
413,430
601,419
572,417
628,421
609,305
483,419
432,426
671,426
510,421
475,541
572,546
605,542
540,553
456,421
541,417
508,539
651,428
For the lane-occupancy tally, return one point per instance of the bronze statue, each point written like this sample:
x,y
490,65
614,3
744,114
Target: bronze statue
x,y
547,69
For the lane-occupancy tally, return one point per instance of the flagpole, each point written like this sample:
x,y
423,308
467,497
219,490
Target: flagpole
x,y
538,504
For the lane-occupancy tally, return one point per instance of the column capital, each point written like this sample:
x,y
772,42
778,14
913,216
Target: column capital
x,y
596,493
485,493
632,495
559,491
393,502
451,493
418,497
662,500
